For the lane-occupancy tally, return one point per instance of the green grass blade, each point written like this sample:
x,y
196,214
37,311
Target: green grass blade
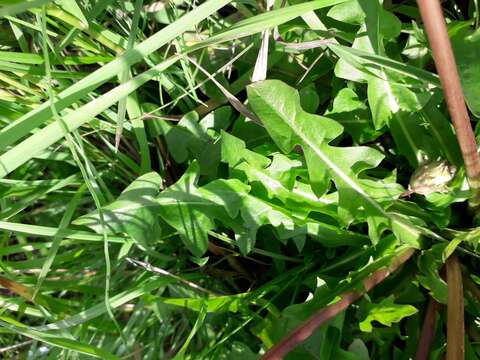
x,y
50,134
42,113
100,309
198,323
65,343
20,6
365,59
267,20
47,231
66,218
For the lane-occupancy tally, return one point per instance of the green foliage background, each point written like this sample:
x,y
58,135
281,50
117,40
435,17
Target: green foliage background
x,y
148,211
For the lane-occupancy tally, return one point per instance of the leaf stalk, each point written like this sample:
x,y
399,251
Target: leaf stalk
x,y
455,312
435,26
306,329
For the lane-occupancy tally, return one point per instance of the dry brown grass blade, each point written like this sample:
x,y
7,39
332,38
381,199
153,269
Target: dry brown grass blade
x,y
17,288
24,291
455,316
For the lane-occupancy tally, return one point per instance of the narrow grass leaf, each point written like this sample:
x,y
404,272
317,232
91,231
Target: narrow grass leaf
x,y
20,6
64,343
42,113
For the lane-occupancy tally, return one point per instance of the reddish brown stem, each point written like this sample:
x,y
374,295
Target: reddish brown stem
x,y
428,331
306,329
455,316
436,28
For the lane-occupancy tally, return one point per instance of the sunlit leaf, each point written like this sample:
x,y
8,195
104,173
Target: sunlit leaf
x,y
386,313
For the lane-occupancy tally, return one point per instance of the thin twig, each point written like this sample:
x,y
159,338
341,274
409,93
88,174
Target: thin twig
x,y
15,347
157,270
436,29
306,329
